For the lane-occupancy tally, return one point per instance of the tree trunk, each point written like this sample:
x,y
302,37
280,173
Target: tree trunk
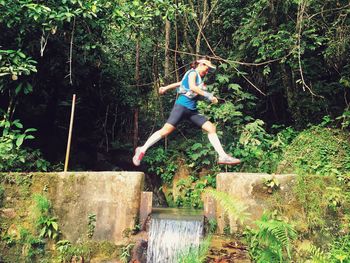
x,y
291,92
201,26
137,80
167,53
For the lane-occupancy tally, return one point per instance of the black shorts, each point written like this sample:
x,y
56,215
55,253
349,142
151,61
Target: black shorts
x,y
180,112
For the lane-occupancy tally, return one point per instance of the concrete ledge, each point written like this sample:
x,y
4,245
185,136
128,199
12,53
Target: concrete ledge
x,y
114,197
249,189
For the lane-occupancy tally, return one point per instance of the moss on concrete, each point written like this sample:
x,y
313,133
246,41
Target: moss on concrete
x,y
19,237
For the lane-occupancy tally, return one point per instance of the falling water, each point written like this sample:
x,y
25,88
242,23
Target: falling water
x,y
169,236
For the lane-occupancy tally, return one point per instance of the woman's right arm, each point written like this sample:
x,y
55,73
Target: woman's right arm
x,y
192,82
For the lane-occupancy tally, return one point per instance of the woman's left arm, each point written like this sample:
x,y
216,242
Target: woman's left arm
x,y
162,90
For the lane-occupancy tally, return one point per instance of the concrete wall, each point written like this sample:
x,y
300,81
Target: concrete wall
x,y
114,197
248,189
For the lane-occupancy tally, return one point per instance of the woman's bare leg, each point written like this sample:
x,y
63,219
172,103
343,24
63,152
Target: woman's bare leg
x,y
224,158
155,137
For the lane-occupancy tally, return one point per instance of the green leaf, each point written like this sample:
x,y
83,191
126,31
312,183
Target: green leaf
x,y
18,124
22,55
19,140
234,86
18,88
30,130
196,146
55,225
43,232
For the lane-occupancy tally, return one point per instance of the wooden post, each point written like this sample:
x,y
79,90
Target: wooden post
x,y
145,207
69,134
209,207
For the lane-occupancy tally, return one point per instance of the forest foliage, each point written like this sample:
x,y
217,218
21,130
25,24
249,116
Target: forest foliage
x,y
283,82
283,62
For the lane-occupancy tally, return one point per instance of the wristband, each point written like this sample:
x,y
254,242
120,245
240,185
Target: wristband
x,y
208,95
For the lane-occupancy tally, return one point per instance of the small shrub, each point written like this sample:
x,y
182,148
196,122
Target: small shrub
x,y
271,185
190,193
13,156
162,163
340,249
45,222
317,150
73,253
212,226
259,150
125,256
91,225
32,246
200,155
195,255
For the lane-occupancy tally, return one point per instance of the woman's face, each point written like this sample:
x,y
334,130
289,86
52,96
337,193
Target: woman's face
x,y
202,69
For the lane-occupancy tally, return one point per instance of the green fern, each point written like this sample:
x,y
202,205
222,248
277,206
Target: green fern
x,y
230,205
276,232
315,253
268,256
272,240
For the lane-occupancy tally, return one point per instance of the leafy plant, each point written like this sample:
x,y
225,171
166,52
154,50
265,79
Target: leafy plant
x,y
47,224
49,227
200,155
16,63
345,119
312,252
317,150
12,155
260,150
69,252
340,249
190,193
63,247
162,163
212,226
335,197
32,246
195,255
272,241
227,229
230,205
126,253
271,184
91,225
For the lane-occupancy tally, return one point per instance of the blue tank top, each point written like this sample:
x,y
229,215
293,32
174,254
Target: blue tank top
x,y
187,97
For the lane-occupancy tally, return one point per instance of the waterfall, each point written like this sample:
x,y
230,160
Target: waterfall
x,y
169,236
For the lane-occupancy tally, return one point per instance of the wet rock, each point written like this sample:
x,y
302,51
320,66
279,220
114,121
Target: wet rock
x,y
139,252
8,213
13,231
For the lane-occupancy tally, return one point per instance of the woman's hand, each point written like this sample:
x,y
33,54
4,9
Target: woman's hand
x,y
214,100
162,90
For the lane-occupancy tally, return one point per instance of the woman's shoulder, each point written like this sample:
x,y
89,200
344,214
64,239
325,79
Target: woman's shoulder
x,y
192,72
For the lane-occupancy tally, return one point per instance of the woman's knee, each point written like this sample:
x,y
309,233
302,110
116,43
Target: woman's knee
x,y
166,130
209,127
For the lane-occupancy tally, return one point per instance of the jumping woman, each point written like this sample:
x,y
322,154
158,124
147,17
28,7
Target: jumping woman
x,y
191,88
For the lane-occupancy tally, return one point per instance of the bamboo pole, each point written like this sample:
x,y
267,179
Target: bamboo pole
x,y
69,134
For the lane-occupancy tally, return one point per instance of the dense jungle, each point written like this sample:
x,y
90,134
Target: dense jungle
x,y
283,85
